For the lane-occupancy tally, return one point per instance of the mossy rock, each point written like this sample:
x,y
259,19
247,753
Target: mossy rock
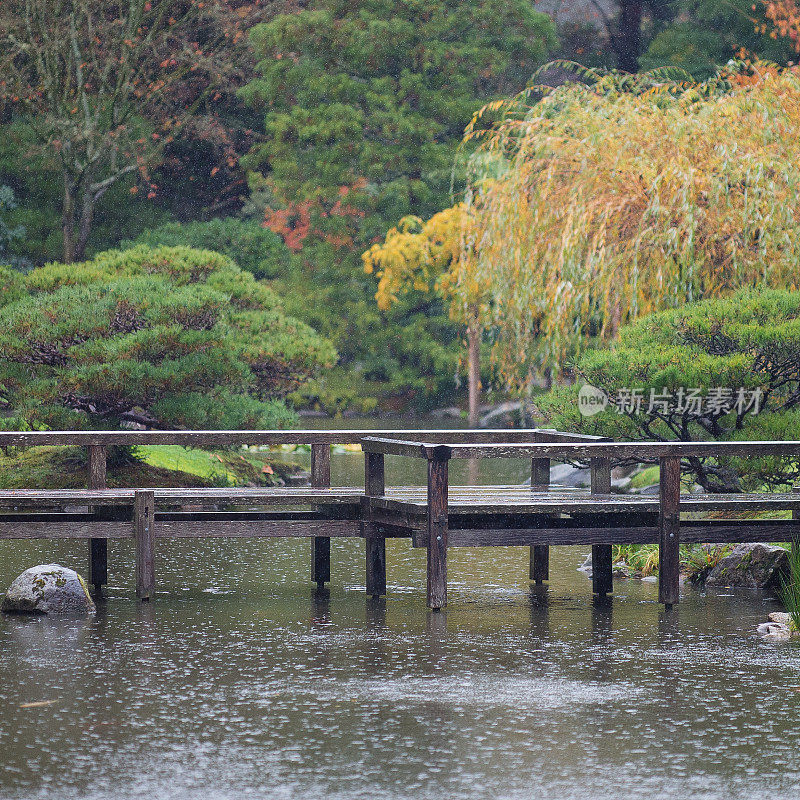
x,y
48,589
755,566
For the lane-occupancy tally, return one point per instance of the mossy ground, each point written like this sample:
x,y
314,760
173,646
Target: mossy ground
x,y
647,477
151,466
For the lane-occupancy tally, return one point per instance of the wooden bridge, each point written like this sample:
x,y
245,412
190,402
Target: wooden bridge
x,y
436,517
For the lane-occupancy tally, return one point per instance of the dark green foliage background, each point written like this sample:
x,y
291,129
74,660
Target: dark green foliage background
x,y
374,95
371,97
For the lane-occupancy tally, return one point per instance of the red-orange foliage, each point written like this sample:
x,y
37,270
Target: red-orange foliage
x,y
294,222
785,16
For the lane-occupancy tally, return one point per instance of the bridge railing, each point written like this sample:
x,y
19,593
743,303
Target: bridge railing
x,y
600,454
98,442
574,450
281,437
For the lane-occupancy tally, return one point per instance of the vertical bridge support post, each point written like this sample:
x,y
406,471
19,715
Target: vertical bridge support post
x,y
98,548
669,541
602,568
540,553
321,545
375,486
438,460
144,535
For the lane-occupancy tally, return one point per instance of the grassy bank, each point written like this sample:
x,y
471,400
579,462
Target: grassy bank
x,y
696,559
148,466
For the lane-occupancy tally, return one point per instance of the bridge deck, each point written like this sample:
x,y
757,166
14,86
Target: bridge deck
x,y
436,516
409,499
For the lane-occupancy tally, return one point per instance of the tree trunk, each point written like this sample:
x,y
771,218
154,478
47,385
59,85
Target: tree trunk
x,y
85,225
473,372
76,219
628,42
68,220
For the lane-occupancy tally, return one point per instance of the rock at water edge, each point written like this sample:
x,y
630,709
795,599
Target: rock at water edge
x,y
48,589
755,566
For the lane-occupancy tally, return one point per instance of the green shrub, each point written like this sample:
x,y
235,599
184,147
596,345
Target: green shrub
x,y
166,336
790,587
251,246
749,340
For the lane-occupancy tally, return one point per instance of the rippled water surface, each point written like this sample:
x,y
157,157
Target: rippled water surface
x,y
240,680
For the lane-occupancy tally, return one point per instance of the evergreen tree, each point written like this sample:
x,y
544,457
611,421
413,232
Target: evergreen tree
x,y
364,105
706,34
166,337
725,369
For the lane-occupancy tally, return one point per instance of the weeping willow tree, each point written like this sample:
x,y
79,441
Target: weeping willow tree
x,y
622,195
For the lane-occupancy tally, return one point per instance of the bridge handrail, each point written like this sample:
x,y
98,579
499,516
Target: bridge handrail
x,y
573,450
279,437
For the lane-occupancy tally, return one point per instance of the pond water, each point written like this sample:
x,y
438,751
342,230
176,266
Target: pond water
x,y
240,680
347,466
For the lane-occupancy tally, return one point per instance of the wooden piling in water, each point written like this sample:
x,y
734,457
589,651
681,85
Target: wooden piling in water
x,y
98,548
144,535
374,486
321,545
602,567
437,530
539,570
669,557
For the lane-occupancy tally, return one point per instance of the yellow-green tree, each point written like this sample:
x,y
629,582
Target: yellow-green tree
x,y
428,255
626,194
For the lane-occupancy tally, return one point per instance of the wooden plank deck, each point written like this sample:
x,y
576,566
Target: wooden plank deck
x,y
521,500
409,500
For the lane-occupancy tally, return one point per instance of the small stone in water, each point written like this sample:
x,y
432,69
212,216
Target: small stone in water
x,y
774,631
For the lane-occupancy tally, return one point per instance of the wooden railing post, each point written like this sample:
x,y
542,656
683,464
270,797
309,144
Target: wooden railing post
x,y
669,556
98,548
321,545
374,486
602,567
437,530
144,534
540,553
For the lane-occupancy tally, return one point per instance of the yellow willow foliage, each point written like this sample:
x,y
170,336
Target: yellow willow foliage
x,y
418,255
616,203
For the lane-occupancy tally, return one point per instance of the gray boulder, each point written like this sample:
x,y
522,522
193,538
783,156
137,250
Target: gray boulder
x,y
48,589
567,475
773,631
755,566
